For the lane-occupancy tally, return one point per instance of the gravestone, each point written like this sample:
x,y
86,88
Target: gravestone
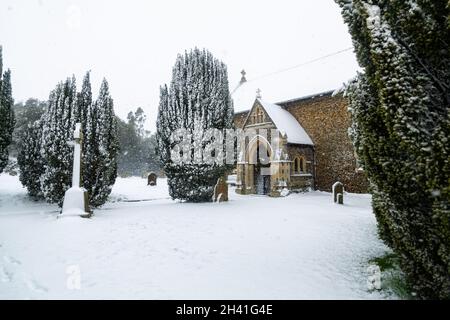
x,y
340,198
338,193
221,190
151,179
374,278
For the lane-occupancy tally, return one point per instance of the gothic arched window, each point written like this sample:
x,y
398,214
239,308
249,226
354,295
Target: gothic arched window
x,y
299,165
260,116
302,164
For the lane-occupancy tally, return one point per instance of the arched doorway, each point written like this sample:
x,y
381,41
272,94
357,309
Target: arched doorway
x,y
260,153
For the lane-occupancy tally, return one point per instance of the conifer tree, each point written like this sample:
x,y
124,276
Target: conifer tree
x,y
57,131
86,115
45,156
105,162
401,127
30,159
84,102
197,99
7,120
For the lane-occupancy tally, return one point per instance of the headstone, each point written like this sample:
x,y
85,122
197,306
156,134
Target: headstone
x,y
340,198
374,278
221,190
76,198
338,193
151,179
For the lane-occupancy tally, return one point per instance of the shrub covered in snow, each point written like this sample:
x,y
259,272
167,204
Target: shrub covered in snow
x,y
197,99
100,167
401,128
45,156
137,156
57,131
30,160
7,120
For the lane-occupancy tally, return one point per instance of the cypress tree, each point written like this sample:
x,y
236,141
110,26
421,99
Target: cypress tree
x,y
56,133
107,147
401,128
46,157
84,103
7,120
30,160
86,115
197,100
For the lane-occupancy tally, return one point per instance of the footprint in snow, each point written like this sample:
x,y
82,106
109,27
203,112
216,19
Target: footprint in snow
x,y
35,286
5,275
11,260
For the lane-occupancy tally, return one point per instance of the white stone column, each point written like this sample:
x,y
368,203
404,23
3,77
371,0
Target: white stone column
x,y
76,172
75,198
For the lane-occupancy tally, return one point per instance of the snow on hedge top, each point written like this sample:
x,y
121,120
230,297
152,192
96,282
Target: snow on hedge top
x,y
286,123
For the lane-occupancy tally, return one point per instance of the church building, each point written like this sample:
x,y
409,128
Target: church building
x,y
313,149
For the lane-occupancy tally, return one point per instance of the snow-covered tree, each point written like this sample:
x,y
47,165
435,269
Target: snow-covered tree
x,y
25,113
86,115
48,173
401,129
162,126
107,146
197,100
137,154
137,120
57,131
30,160
84,103
6,114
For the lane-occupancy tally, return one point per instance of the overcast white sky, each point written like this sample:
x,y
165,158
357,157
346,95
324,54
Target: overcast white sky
x,y
134,43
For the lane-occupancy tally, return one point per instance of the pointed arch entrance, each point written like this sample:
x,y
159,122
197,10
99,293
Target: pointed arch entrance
x,y
259,157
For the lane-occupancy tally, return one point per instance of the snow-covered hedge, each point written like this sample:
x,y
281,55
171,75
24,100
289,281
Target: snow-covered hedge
x,y
401,128
7,119
197,99
45,156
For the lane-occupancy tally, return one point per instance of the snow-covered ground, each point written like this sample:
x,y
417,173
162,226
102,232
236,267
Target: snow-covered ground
x,y
253,247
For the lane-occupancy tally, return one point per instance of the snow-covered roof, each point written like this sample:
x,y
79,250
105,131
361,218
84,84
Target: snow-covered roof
x,y
308,80
286,123
244,95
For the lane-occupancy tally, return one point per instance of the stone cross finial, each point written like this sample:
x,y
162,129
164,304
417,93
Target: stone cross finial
x,y
258,93
243,79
